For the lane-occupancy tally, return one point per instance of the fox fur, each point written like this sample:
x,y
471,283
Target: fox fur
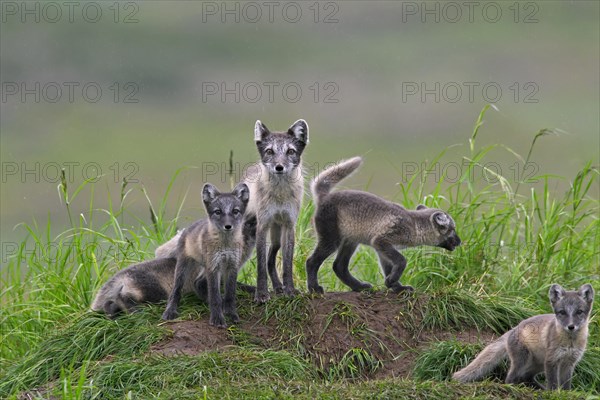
x,y
548,343
346,218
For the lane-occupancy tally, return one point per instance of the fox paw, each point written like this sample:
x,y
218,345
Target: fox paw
x,y
233,316
261,297
290,291
402,288
362,287
318,289
170,314
218,321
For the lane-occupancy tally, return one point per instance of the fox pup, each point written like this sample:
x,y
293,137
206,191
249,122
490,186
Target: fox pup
x,y
549,343
152,281
146,282
169,250
347,218
211,248
276,189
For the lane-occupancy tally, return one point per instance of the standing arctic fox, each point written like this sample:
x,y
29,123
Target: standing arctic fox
x,y
347,218
209,249
549,343
152,281
276,189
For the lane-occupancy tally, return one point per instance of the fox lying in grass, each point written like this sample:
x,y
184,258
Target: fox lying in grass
x,y
549,343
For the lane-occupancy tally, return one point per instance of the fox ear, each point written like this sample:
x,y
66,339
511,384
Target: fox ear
x,y
209,193
299,130
260,131
586,292
441,219
242,192
421,207
556,293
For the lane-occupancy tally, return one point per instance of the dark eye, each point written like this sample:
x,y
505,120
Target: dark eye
x,y
562,312
291,152
217,212
236,211
269,152
580,312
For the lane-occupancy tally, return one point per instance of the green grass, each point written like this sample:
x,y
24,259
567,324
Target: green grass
x,y
518,238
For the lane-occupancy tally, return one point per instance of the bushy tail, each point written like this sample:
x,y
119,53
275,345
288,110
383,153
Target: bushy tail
x,y
169,248
327,179
485,362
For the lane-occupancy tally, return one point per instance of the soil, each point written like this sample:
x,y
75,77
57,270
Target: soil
x,y
324,329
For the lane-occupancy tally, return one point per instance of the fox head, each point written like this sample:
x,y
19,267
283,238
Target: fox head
x,y
280,152
226,210
572,308
443,229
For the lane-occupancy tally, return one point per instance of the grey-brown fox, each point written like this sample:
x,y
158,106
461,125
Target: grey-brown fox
x,y
146,282
152,281
276,189
549,343
210,249
347,218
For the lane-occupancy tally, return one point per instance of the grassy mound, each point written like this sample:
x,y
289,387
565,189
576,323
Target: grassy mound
x,y
519,236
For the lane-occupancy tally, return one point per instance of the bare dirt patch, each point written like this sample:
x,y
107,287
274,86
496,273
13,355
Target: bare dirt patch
x,y
324,329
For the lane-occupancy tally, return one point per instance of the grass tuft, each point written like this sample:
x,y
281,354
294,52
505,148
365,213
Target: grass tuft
x,y
90,337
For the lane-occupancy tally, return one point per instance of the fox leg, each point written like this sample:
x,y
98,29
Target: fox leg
x,y
229,305
262,291
288,260
393,264
272,261
184,264
565,375
201,288
340,267
521,363
323,250
215,301
551,371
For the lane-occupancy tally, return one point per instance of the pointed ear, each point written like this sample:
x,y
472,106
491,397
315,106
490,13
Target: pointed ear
x,y
260,131
242,192
556,293
586,292
441,219
299,130
421,207
209,193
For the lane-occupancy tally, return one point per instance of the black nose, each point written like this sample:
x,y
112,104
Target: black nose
x,y
279,168
227,227
571,327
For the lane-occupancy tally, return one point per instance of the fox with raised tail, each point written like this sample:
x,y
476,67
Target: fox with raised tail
x,y
346,218
548,343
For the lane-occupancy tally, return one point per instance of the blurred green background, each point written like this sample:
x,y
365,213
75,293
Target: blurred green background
x,y
180,82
